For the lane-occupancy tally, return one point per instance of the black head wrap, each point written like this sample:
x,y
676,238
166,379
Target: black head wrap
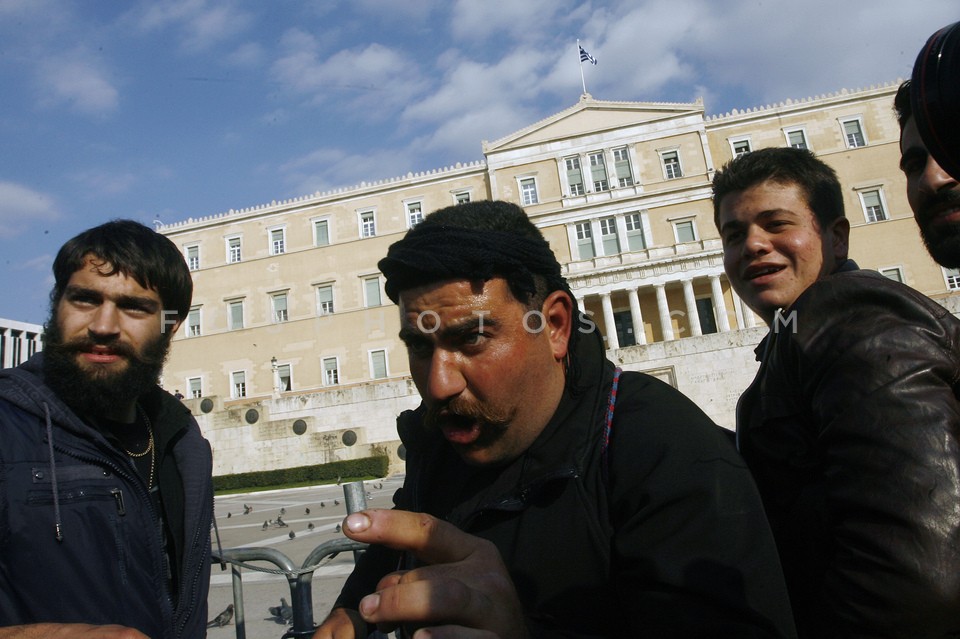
x,y
432,253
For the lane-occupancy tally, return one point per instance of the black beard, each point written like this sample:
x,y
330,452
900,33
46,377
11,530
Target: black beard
x,y
99,394
943,240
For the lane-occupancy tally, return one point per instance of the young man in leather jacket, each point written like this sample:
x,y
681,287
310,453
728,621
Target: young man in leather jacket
x,y
852,425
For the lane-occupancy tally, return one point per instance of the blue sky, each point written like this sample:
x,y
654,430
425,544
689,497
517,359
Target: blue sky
x,y
164,110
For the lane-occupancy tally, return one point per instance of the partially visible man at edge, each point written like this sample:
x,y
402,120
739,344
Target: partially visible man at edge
x,y
852,425
934,194
520,521
105,480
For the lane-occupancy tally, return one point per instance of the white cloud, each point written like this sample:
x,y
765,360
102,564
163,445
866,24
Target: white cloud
x,y
22,207
371,82
78,83
474,20
202,24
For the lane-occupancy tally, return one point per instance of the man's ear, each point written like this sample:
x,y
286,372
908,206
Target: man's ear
x,y
839,235
558,317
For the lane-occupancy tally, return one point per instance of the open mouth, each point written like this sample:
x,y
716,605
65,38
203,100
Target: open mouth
x,y
761,271
458,429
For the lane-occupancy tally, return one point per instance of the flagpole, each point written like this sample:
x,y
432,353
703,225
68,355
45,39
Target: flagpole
x,y
582,81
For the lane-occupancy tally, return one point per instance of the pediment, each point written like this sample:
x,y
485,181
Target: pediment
x,y
591,116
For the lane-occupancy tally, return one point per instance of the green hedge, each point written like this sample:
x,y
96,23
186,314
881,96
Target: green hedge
x,y
321,473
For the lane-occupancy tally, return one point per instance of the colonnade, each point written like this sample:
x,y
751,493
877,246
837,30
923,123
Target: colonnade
x,y
743,316
18,342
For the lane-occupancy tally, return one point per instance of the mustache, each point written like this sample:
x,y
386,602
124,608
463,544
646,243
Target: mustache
x,y
945,198
117,347
460,409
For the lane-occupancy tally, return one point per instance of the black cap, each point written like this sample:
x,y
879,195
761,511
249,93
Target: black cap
x,y
935,97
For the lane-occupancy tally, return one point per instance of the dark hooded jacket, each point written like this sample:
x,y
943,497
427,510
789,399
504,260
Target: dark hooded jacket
x,y
667,538
852,431
57,473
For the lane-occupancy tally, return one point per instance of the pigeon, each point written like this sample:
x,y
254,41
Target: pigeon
x,y
336,502
292,534
337,529
338,480
266,524
310,526
282,613
281,523
308,511
380,485
247,509
322,505
283,511
222,619
229,515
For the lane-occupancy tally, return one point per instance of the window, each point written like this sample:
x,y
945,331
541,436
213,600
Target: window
x,y
325,299
608,236
574,175
277,241
528,191
853,133
895,273
194,387
414,214
740,147
368,224
598,171
873,205
952,275
235,314
238,384
461,197
585,240
193,257
233,250
685,231
321,233
705,311
371,290
621,167
279,302
671,164
797,138
378,364
193,323
283,380
331,371
636,239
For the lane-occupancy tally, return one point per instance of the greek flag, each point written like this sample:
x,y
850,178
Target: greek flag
x,y
585,57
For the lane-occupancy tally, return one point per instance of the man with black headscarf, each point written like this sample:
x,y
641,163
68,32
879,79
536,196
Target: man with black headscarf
x,y
547,494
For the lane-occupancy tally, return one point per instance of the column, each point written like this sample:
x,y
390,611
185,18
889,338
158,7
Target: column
x,y
749,320
693,315
5,348
639,334
721,307
613,342
666,325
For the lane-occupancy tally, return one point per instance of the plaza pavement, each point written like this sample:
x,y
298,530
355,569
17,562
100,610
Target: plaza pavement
x,y
263,590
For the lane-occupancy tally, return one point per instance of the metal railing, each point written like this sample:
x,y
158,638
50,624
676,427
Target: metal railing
x,y
299,579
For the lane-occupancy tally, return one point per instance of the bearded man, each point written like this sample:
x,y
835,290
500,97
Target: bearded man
x,y
105,480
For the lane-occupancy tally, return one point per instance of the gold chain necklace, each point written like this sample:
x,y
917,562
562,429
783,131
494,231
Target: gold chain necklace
x,y
148,449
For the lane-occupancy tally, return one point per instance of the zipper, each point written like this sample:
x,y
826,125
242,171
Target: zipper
x,y
118,497
196,575
138,484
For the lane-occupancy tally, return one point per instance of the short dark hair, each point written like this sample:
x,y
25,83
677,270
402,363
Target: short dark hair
x,y
133,250
784,165
902,106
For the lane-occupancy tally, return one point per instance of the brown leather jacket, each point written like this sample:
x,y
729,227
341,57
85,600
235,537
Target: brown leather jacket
x,y
852,431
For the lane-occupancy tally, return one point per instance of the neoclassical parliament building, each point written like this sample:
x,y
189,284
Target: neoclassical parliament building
x,y
290,354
